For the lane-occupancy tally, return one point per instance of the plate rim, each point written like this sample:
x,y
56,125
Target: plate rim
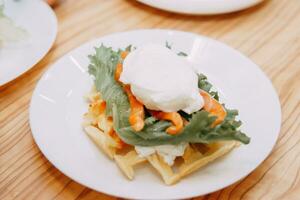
x,y
191,194
208,12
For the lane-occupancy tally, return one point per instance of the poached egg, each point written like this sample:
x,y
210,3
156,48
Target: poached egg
x,y
162,80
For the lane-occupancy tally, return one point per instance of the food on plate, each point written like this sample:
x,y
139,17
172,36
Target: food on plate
x,y
9,31
148,105
174,83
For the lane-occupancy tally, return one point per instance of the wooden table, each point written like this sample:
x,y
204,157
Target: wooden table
x,y
268,33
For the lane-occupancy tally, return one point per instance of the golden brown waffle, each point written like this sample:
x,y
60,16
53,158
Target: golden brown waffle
x,y
97,127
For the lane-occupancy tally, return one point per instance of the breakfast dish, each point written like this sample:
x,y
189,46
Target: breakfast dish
x,y
149,105
57,109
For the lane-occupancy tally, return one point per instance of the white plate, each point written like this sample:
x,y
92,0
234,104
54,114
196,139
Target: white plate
x,y
206,7
40,22
57,107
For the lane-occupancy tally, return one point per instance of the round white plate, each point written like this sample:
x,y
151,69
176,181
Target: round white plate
x,y
57,107
38,19
204,7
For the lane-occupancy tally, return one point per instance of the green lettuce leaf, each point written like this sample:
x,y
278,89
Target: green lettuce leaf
x,y
169,46
182,54
199,130
206,86
102,67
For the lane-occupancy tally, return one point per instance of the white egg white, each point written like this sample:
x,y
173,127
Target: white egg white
x,y
162,80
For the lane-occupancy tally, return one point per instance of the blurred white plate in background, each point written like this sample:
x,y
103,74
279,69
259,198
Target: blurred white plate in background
x,y
38,19
204,7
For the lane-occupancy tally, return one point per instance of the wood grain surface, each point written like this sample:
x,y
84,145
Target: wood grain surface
x,y
268,33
